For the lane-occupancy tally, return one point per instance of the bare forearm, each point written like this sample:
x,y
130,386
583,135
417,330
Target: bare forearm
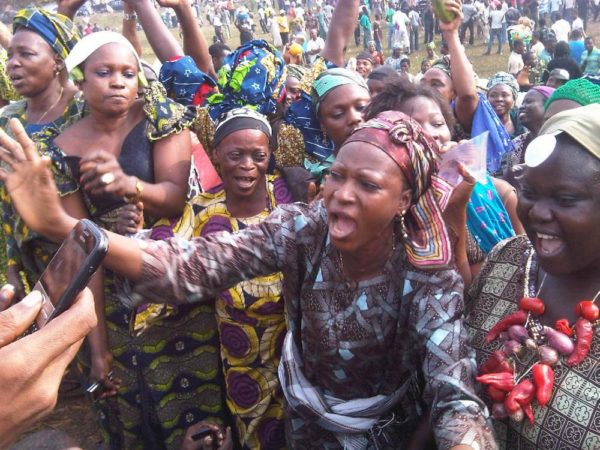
x,y
463,79
164,199
5,35
194,43
160,38
130,30
341,30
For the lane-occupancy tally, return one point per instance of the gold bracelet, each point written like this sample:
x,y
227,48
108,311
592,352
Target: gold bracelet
x,y
139,189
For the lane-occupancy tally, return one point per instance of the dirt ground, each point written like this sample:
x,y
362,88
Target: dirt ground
x,y
73,416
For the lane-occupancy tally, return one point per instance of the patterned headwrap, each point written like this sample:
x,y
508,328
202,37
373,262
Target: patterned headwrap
x,y
92,42
442,64
57,30
506,79
252,76
296,71
580,90
332,78
403,140
240,119
185,82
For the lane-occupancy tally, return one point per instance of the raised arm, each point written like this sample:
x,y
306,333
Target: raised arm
x,y
69,7
194,42
5,35
463,76
341,30
161,40
130,28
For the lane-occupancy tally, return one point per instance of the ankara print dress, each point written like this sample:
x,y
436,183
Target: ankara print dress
x,y
250,318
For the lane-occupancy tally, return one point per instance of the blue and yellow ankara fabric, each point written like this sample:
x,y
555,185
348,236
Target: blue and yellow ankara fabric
x,y
57,30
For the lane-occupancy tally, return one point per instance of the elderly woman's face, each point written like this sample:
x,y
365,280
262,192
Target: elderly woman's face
x,y
243,158
342,111
110,82
363,193
501,99
32,64
559,206
438,80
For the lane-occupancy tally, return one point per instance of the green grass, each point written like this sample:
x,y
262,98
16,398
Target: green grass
x,y
484,65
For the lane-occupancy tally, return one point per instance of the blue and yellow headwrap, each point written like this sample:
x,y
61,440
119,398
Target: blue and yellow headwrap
x,y
252,76
57,30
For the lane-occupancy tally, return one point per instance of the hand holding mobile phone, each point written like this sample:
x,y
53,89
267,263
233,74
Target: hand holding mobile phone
x,y
70,270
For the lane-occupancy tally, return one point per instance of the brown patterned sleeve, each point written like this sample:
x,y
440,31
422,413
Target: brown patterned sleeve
x,y
182,271
458,416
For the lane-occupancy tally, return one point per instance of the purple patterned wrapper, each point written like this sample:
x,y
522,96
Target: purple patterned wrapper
x,y
242,389
235,340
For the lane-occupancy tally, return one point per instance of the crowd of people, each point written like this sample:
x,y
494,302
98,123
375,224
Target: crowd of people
x,y
308,248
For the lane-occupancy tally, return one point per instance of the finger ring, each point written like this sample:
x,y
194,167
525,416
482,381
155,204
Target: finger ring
x,y
107,178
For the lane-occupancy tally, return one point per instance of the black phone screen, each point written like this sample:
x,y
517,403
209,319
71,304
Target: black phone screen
x,y
68,272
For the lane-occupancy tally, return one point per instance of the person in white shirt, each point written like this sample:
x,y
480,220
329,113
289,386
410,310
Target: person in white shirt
x,y
515,60
315,45
400,21
496,18
577,23
561,28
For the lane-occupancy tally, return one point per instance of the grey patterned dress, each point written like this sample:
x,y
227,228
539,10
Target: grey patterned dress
x,y
357,339
571,420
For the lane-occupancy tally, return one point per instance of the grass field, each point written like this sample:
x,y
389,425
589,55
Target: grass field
x,y
484,65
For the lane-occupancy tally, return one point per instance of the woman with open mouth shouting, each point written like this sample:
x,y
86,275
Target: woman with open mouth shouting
x,y
375,333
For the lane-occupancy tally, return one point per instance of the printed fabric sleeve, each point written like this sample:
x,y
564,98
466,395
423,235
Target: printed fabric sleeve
x,y
458,416
196,270
13,256
165,116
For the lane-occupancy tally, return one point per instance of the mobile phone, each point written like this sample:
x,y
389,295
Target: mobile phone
x,y
70,270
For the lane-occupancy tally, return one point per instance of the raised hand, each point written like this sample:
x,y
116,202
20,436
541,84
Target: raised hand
x,y
69,7
170,3
30,184
454,7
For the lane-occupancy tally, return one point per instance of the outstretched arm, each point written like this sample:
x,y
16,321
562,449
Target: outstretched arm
x,y
176,269
194,43
341,30
463,76
160,38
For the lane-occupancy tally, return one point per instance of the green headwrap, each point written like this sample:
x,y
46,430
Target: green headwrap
x,y
332,78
